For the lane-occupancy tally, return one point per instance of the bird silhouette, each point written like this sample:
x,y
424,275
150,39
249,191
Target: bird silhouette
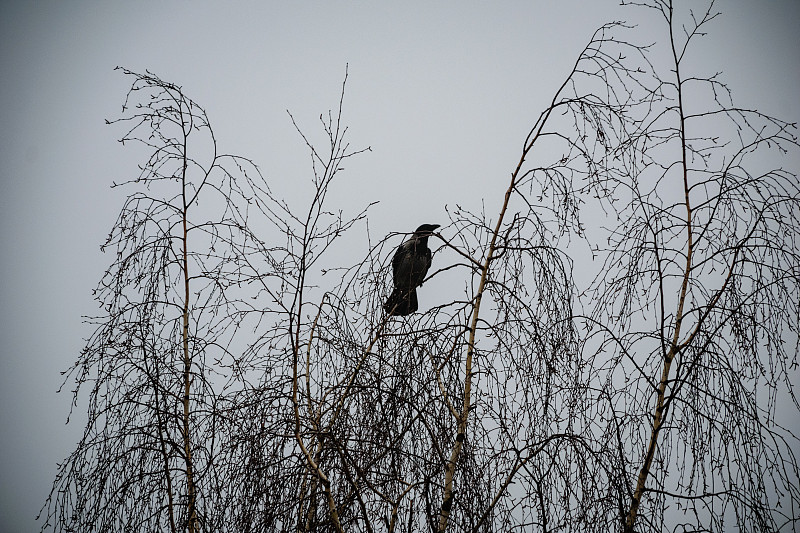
x,y
410,264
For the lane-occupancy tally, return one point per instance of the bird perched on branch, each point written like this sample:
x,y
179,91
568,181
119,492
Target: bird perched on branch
x,y
410,264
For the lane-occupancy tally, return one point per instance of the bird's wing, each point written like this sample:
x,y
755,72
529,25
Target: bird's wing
x,y
397,260
403,263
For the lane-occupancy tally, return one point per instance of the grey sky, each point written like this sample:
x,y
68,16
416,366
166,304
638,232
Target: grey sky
x,y
442,93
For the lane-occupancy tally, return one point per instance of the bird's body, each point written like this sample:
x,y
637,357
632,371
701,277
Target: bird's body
x,y
410,264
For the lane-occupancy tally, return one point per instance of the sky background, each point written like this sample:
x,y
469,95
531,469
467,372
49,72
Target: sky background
x,y
443,93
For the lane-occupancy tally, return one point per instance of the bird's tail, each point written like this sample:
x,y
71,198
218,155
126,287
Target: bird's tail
x,y
401,302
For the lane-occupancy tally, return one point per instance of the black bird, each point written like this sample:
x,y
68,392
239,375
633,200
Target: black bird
x,y
409,266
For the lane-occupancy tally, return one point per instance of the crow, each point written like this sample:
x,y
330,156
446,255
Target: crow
x,y
410,264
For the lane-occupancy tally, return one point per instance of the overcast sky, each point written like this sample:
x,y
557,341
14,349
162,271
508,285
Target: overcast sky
x,y
443,93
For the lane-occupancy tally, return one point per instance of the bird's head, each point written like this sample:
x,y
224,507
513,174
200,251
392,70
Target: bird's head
x,y
426,230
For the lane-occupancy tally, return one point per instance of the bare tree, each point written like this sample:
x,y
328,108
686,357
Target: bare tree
x,y
693,313
164,355
247,382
